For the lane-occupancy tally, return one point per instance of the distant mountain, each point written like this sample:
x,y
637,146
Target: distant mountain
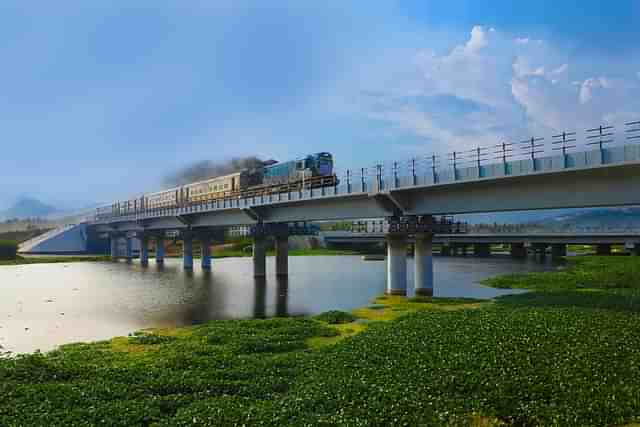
x,y
28,207
560,220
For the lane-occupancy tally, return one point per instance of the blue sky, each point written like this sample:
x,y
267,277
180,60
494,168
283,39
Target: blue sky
x,y
100,100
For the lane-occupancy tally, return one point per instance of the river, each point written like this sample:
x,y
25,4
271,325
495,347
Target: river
x,y
46,305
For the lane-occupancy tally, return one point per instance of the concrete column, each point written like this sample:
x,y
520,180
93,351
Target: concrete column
x,y
129,253
540,250
260,297
635,251
205,252
114,248
445,250
482,249
259,256
187,251
144,250
396,265
423,259
603,249
282,296
160,250
558,250
518,250
282,255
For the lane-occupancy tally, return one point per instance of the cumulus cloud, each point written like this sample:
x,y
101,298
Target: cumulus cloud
x,y
512,87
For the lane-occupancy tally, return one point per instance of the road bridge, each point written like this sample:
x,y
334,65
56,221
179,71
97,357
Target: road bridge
x,y
409,197
519,243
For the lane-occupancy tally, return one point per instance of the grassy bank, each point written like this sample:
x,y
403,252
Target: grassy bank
x,y
556,356
52,259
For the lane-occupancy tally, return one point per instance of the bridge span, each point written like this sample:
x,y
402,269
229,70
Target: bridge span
x,y
519,243
409,200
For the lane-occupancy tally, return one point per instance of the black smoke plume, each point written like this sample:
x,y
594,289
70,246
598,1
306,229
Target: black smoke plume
x,y
208,169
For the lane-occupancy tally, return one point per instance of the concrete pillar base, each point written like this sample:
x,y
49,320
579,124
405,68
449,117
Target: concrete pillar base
x,y
422,292
482,250
396,292
558,251
518,250
423,265
397,264
603,250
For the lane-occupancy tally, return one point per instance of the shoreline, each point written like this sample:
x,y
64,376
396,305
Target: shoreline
x,y
398,360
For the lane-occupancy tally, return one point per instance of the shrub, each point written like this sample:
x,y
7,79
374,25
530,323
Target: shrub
x,y
336,317
8,249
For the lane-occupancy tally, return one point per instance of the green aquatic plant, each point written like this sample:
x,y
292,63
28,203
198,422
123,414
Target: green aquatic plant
x,y
335,317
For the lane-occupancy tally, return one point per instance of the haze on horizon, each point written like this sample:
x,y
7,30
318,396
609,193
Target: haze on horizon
x,y
101,101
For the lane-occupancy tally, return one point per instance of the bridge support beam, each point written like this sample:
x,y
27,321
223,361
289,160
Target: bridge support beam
x,y
482,250
205,251
129,253
187,251
396,264
259,256
558,250
282,255
518,250
603,249
144,250
160,250
445,250
423,258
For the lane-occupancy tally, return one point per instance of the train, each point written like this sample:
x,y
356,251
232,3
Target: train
x,y
312,171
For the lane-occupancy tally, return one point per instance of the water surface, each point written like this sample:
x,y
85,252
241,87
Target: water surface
x,y
46,305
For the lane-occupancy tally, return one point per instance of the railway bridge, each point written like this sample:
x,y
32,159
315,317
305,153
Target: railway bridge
x,y
410,198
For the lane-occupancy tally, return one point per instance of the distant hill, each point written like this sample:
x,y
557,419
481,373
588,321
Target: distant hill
x,y
28,207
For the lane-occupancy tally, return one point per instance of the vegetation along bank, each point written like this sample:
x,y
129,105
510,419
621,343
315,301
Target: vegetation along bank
x,y
567,353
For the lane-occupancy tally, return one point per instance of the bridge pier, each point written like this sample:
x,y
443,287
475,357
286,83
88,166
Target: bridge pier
x,y
518,250
282,254
205,251
558,250
114,247
160,250
423,259
603,249
259,256
129,250
482,250
396,264
540,250
282,296
187,251
144,250
445,250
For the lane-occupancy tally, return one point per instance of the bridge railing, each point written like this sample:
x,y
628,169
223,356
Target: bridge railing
x,y
504,158
568,149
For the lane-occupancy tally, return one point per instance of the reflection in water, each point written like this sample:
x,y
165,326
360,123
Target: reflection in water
x,y
45,305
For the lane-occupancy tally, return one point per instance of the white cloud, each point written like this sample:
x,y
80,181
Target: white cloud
x,y
517,85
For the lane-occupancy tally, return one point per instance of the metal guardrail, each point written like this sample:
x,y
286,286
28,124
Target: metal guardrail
x,y
525,156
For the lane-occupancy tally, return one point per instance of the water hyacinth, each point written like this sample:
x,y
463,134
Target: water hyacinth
x,y
561,355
